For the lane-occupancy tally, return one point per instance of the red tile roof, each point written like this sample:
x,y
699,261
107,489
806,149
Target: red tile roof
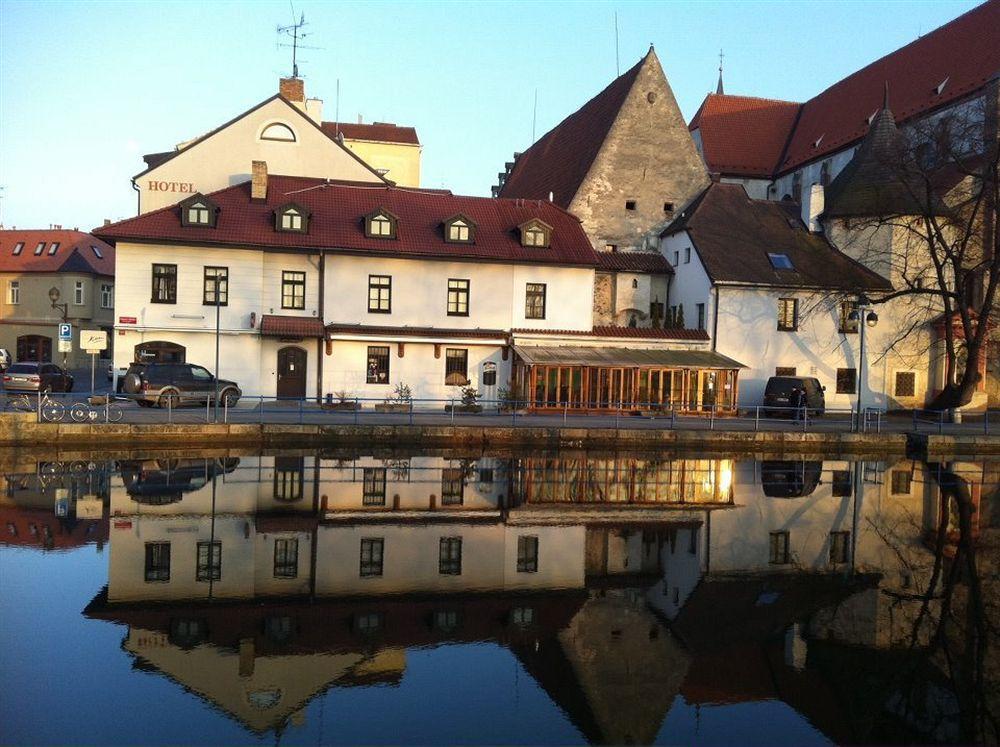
x,y
559,161
336,224
652,262
643,333
273,325
73,255
389,331
742,135
965,53
383,132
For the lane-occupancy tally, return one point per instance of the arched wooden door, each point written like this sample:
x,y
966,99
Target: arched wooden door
x,y
291,372
32,348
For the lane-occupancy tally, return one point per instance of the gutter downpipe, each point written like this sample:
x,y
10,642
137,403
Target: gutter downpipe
x,y
715,316
321,348
138,197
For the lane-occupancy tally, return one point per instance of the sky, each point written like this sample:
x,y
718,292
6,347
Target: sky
x,y
86,88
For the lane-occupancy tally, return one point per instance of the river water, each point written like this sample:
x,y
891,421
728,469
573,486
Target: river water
x,y
512,598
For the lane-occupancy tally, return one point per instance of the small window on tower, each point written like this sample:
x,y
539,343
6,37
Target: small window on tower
x,y
630,204
668,207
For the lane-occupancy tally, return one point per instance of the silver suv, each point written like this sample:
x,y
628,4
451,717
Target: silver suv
x,y
174,384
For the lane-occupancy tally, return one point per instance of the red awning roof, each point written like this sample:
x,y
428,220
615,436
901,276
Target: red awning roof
x,y
643,333
272,325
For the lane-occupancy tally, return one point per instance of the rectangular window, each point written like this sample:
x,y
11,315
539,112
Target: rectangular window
x,y
379,294
14,292
906,384
677,258
848,326
656,311
779,548
157,561
527,554
701,315
40,248
450,556
378,364
372,553
293,290
901,482
216,278
53,248
841,483
784,371
286,558
788,314
164,284
374,487
847,380
458,297
78,293
18,248
840,546
456,366
687,255
452,486
107,296
534,301
209,561
289,477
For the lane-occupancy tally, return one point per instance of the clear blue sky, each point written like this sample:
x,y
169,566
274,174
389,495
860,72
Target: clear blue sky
x,y
87,87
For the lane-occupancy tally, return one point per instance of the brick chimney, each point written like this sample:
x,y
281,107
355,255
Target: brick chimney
x,y
258,181
293,89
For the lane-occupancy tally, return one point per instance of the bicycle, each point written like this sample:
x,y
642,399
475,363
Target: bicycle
x,y
82,412
50,410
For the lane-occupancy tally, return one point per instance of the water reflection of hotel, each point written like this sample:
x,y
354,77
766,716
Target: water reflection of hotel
x,y
619,583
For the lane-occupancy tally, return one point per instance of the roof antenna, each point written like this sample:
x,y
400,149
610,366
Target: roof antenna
x,y
718,89
294,31
336,112
618,69
534,117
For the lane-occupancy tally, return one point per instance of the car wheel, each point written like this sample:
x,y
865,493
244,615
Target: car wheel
x,y
168,398
230,397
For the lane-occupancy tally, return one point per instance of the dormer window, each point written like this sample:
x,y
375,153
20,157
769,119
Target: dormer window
x,y
198,210
291,217
40,248
459,230
535,233
279,132
53,248
97,252
380,224
18,247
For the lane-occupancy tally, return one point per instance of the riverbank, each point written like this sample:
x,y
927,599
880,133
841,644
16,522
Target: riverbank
x,y
22,430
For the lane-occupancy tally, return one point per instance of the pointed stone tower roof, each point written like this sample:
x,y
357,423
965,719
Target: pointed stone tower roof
x,y
881,178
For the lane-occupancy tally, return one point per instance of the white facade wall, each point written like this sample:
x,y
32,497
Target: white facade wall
x,y
756,188
223,159
690,285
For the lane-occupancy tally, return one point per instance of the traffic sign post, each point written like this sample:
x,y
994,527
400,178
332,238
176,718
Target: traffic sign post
x,y
65,339
93,341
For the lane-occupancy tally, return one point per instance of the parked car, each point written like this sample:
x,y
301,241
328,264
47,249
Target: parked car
x,y
161,384
787,395
790,479
166,481
37,377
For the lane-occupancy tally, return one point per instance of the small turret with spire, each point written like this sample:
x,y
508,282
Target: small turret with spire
x,y
719,89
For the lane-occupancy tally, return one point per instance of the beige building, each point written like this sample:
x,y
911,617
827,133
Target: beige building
x,y
33,263
393,151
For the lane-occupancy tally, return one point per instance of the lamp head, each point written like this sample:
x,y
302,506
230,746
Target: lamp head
x,y
53,294
871,319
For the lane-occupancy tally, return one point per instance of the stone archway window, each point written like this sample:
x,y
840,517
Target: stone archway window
x,y
278,132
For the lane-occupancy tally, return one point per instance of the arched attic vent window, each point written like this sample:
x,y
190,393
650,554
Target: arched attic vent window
x,y
199,211
279,132
535,233
381,224
459,229
292,217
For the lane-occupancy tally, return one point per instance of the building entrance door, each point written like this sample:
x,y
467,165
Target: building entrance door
x,y
292,372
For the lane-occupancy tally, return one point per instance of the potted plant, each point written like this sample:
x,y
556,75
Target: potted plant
x,y
341,400
470,401
401,400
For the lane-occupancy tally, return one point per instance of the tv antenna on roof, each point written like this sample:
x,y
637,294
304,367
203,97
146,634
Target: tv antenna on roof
x,y
296,34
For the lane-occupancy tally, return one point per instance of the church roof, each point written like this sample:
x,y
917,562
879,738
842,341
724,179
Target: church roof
x,y
880,179
764,228
936,69
560,159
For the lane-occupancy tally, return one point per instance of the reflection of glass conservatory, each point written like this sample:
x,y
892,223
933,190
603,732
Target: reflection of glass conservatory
x,y
611,378
623,480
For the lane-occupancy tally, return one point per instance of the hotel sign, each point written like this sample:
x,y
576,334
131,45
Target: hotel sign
x,y
181,187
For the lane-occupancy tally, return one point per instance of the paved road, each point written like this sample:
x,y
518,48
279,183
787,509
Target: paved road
x,y
309,413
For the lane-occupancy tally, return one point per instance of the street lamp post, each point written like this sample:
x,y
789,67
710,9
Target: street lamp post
x,y
216,285
64,307
863,317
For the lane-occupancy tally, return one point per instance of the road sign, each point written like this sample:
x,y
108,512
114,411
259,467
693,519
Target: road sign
x,y
65,332
93,340
65,346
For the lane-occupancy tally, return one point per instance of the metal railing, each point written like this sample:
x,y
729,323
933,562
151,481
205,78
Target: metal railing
x,y
262,409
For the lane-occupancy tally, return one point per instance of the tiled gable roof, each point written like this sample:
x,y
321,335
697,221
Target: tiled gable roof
x,y
73,255
383,132
559,161
964,55
652,262
337,223
742,135
734,234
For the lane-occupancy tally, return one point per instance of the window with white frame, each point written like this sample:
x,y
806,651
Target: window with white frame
x,y
40,248
53,248
14,292
18,248
78,296
198,214
107,296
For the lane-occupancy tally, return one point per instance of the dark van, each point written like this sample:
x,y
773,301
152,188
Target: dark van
x,y
785,396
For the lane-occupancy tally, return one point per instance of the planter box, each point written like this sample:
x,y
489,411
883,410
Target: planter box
x,y
348,406
391,408
464,408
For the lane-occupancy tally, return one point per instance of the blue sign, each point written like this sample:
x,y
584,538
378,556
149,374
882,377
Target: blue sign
x,y
65,331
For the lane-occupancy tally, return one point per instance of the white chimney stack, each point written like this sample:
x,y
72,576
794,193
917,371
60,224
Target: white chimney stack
x,y
813,204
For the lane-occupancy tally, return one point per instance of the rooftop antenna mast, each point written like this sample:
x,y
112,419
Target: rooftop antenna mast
x,y
295,32
534,117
